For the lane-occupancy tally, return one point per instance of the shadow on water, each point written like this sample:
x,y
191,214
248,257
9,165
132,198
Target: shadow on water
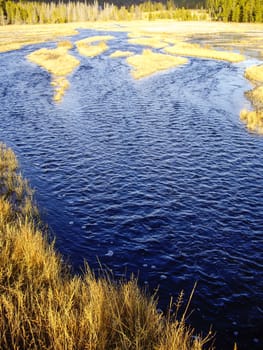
x,y
156,177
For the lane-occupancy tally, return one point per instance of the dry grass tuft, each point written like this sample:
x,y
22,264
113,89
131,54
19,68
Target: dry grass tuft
x,y
66,44
253,120
43,307
120,53
195,50
91,50
149,63
255,73
59,63
60,84
256,96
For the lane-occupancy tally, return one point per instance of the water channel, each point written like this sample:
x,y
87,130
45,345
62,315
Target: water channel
x,y
156,177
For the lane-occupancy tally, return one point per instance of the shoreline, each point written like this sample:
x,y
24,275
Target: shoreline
x,y
45,306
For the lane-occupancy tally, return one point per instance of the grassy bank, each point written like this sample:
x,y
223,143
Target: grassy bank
x,y
15,37
42,306
254,119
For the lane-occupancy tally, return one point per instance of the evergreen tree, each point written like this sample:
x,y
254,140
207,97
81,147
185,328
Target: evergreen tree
x,y
236,10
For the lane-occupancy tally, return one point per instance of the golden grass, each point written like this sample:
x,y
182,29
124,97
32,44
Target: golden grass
x,y
195,50
86,47
178,27
59,63
149,63
91,50
256,96
61,84
96,39
42,306
120,53
148,41
253,120
14,37
65,44
157,38
255,73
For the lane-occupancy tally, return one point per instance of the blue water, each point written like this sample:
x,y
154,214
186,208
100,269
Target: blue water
x,y
156,177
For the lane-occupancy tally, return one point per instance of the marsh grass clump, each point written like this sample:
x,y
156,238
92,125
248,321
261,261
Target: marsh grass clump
x,y
43,306
195,50
253,120
255,73
66,44
150,62
59,63
91,50
94,45
256,96
61,84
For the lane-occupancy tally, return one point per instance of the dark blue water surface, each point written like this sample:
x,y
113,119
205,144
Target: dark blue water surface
x,y
157,177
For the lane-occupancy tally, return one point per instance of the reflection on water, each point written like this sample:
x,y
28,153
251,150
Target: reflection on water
x,y
250,43
157,177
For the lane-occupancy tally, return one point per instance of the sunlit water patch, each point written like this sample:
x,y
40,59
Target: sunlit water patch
x,y
157,177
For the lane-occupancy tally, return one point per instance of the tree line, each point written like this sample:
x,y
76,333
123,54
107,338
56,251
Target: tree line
x,y
236,10
33,12
27,12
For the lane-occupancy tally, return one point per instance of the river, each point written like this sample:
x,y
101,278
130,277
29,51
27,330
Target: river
x,y
156,177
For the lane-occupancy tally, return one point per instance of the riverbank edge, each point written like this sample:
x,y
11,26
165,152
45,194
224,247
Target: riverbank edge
x,y
44,306
254,119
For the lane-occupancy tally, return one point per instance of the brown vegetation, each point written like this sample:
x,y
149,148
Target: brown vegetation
x,y
43,307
